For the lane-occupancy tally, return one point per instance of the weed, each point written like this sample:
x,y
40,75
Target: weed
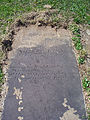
x,y
75,29
1,76
77,42
78,35
83,53
78,45
76,39
81,60
86,84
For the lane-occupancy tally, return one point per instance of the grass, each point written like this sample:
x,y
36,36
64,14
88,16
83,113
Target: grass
x,y
81,60
77,43
86,84
76,10
10,9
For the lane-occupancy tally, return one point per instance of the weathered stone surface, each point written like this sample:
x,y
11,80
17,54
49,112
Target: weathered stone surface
x,y
43,77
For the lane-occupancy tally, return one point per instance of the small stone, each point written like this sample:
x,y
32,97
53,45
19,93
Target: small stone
x,y
39,24
48,6
88,31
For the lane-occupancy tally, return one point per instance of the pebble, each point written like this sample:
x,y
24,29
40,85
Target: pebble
x,y
88,31
48,6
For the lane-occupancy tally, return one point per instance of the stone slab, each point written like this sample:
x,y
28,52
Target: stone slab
x,y
43,78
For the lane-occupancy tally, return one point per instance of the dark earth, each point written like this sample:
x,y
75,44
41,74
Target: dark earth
x,y
46,78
